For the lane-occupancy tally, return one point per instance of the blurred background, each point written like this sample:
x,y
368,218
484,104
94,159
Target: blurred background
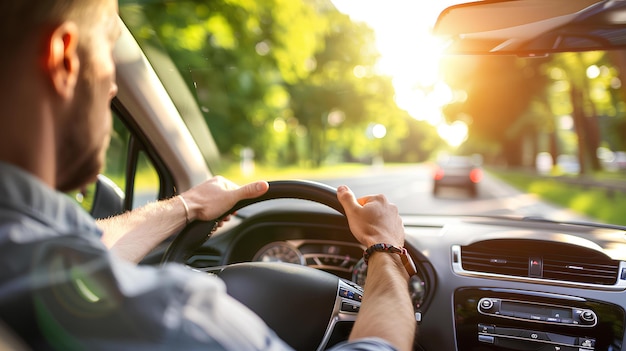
x,y
329,90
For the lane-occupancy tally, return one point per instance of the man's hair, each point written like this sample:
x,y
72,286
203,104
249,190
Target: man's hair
x,y
20,19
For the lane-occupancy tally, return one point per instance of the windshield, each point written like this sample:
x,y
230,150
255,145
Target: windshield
x,y
347,92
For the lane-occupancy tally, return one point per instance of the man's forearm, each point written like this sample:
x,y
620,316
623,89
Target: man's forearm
x,y
134,234
386,311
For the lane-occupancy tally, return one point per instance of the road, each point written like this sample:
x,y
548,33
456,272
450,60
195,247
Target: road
x,y
410,188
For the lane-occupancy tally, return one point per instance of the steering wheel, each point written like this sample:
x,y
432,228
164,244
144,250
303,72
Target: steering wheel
x,y
308,308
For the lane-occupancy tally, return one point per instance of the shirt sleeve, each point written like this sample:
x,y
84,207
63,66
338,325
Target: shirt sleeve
x,y
365,344
89,299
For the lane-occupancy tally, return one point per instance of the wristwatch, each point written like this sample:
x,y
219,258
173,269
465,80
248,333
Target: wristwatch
x,y
406,259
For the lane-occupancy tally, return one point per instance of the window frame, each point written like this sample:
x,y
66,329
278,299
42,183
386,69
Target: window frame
x,y
138,142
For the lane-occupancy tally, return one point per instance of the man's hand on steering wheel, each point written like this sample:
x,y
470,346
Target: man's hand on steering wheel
x,y
217,195
372,219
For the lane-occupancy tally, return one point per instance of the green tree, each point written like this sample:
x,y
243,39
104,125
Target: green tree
x,y
334,84
236,55
293,80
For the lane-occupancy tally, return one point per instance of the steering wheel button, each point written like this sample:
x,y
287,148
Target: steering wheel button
x,y
343,293
348,307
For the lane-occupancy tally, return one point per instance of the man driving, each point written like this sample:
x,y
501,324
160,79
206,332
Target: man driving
x,y
71,283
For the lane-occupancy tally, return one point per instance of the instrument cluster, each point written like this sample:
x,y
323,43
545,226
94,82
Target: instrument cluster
x,y
343,259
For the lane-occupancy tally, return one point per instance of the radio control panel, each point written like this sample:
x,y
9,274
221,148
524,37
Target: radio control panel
x,y
523,339
496,319
536,312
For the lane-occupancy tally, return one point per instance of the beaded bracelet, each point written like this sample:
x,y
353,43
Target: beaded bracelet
x,y
407,261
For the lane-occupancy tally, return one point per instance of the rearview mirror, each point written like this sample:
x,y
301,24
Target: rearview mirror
x,y
532,27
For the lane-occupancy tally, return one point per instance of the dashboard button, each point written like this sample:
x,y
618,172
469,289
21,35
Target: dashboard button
x,y
488,339
587,342
486,304
588,316
534,335
486,328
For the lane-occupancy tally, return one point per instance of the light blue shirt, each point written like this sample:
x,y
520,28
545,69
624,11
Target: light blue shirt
x,y
61,289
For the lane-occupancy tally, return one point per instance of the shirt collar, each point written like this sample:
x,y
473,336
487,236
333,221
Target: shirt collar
x,y
26,194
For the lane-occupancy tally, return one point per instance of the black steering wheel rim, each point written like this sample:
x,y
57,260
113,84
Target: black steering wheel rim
x,y
182,247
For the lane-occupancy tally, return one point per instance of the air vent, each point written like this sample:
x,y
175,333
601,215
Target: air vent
x,y
581,271
494,262
540,259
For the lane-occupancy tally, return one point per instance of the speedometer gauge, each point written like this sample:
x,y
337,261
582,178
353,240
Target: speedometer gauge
x,y
279,251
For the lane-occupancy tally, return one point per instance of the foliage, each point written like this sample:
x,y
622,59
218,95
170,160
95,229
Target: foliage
x,y
292,80
518,107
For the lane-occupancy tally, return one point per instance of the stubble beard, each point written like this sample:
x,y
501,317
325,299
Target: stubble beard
x,y
78,160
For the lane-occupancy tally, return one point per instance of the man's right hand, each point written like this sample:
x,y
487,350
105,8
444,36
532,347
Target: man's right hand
x,y
386,311
372,219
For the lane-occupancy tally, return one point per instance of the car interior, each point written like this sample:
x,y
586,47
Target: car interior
x,y
483,282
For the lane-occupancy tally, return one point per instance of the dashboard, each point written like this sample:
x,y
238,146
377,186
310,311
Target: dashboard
x,y
344,259
483,283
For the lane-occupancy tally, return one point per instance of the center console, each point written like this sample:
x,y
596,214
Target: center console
x,y
504,319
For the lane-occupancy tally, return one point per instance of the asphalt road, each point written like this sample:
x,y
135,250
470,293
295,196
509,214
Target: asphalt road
x,y
410,188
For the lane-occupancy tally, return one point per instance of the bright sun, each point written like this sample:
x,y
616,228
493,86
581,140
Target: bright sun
x,y
410,55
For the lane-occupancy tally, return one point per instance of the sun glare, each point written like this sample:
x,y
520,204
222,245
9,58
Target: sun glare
x,y
410,55
454,134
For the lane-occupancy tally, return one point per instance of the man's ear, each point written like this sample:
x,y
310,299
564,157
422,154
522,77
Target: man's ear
x,y
61,62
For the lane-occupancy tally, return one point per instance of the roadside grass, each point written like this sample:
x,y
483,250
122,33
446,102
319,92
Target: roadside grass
x,y
603,206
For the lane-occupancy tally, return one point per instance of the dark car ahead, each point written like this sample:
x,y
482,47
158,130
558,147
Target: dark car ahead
x,y
457,172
